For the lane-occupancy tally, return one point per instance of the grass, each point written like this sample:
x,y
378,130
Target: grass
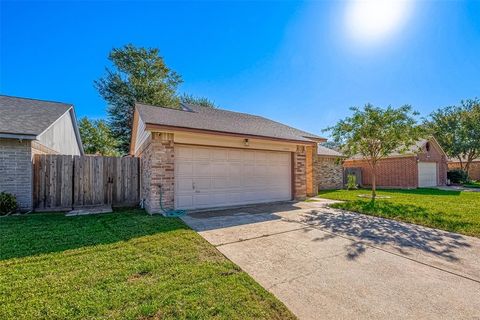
x,y
472,184
124,265
448,210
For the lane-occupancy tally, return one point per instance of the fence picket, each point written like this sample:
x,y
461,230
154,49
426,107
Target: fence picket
x,y
62,182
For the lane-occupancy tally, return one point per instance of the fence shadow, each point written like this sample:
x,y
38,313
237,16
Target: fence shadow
x,y
35,234
368,230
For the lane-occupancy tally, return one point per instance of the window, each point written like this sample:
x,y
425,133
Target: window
x,y
427,146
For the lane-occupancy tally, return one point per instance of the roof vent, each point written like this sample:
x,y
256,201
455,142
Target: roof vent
x,y
184,107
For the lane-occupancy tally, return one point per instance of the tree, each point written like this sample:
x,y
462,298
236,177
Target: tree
x,y
138,75
97,138
374,133
201,101
457,129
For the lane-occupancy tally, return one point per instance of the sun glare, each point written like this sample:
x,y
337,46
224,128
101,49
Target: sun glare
x,y
374,20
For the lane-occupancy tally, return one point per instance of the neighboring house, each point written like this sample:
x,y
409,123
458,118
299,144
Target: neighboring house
x,y
29,127
329,169
423,165
204,157
473,171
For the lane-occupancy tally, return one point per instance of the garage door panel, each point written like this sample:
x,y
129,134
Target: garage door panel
x,y
220,182
219,154
235,169
184,184
183,153
184,168
249,156
201,169
202,184
219,169
183,201
236,155
201,153
201,200
427,174
223,177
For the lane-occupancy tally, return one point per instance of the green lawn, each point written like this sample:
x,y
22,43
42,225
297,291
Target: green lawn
x,y
448,210
125,265
473,184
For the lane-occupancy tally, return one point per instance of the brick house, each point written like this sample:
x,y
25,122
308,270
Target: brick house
x,y
202,157
423,165
328,168
29,127
473,171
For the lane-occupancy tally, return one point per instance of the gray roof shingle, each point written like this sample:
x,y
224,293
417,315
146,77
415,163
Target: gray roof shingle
x,y
204,118
25,116
327,152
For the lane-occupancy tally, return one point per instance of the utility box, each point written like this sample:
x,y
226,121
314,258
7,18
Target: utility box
x,y
355,171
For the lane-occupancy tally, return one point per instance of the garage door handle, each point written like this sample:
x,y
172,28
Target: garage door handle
x,y
193,185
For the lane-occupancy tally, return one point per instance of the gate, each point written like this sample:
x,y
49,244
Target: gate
x,y
64,182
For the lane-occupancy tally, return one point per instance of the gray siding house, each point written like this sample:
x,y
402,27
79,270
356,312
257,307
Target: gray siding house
x,y
29,127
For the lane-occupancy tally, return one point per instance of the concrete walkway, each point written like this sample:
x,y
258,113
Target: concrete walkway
x,y
328,264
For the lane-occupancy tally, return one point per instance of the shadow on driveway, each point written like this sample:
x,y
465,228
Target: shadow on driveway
x,y
367,230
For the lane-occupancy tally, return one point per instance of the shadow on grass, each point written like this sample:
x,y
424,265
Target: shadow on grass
x,y
22,236
367,230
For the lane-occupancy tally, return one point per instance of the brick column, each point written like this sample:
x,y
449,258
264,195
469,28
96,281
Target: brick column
x,y
158,170
311,155
299,174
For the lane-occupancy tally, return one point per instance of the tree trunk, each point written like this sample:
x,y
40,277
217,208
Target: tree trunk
x,y
374,182
461,162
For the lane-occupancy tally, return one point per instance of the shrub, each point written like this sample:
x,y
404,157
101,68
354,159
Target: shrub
x,y
352,182
457,176
8,203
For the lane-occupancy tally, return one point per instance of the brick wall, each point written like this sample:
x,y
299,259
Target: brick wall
x,y
473,172
16,171
402,171
328,173
435,155
299,174
391,172
157,168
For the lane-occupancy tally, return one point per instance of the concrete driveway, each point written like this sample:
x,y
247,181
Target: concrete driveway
x,y
328,264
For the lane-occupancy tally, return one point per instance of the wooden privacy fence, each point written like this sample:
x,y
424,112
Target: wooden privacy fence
x,y
63,182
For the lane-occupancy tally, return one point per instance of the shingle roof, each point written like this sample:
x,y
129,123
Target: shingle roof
x,y
31,117
411,150
204,118
327,152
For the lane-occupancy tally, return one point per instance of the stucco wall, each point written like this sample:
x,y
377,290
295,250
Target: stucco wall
x,y
16,171
328,173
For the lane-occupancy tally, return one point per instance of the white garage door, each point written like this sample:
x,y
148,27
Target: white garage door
x,y
214,177
427,174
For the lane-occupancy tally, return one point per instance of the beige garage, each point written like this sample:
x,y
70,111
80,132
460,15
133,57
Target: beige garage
x,y
197,157
209,177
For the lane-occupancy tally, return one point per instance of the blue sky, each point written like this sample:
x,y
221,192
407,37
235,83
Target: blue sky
x,y
294,62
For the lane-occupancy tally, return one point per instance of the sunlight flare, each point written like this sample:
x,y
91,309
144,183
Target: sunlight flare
x,y
370,21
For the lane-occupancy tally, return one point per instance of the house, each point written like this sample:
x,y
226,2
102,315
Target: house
x,y
197,157
329,168
29,127
473,170
423,165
